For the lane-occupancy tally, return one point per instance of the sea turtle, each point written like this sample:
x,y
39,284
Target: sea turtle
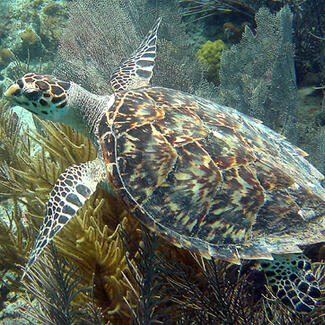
x,y
204,176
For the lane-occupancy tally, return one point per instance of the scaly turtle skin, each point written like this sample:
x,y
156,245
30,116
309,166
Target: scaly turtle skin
x,y
202,175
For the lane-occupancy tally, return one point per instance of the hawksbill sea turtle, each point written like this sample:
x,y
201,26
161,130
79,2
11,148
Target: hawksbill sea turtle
x,y
204,176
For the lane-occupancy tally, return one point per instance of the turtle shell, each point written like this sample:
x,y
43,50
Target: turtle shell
x,y
209,178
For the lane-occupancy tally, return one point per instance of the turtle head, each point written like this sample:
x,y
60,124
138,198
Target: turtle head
x,y
40,94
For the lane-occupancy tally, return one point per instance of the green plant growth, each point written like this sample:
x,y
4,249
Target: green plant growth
x,y
210,54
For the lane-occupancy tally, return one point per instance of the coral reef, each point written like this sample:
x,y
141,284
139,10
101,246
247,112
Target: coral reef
x,y
210,54
127,285
127,280
132,276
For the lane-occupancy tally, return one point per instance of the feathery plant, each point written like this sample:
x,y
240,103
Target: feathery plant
x,y
15,237
172,286
53,283
150,293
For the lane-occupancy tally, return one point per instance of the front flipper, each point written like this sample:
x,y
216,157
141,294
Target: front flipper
x,y
73,187
293,281
137,71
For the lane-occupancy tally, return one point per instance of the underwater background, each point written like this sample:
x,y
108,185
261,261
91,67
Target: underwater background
x,y
105,268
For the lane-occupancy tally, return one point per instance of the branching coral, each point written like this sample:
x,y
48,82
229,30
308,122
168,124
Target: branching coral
x,y
92,241
9,130
216,294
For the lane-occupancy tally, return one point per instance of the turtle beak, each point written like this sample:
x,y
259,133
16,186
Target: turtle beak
x,y
12,91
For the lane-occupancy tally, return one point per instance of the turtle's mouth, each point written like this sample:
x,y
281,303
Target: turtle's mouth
x,y
12,92
23,96
15,91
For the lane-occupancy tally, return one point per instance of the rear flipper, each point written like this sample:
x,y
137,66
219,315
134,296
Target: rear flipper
x,y
293,281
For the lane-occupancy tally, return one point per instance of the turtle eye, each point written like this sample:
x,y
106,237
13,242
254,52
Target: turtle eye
x,y
20,83
32,93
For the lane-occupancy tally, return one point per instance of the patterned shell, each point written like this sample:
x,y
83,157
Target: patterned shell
x,y
209,178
